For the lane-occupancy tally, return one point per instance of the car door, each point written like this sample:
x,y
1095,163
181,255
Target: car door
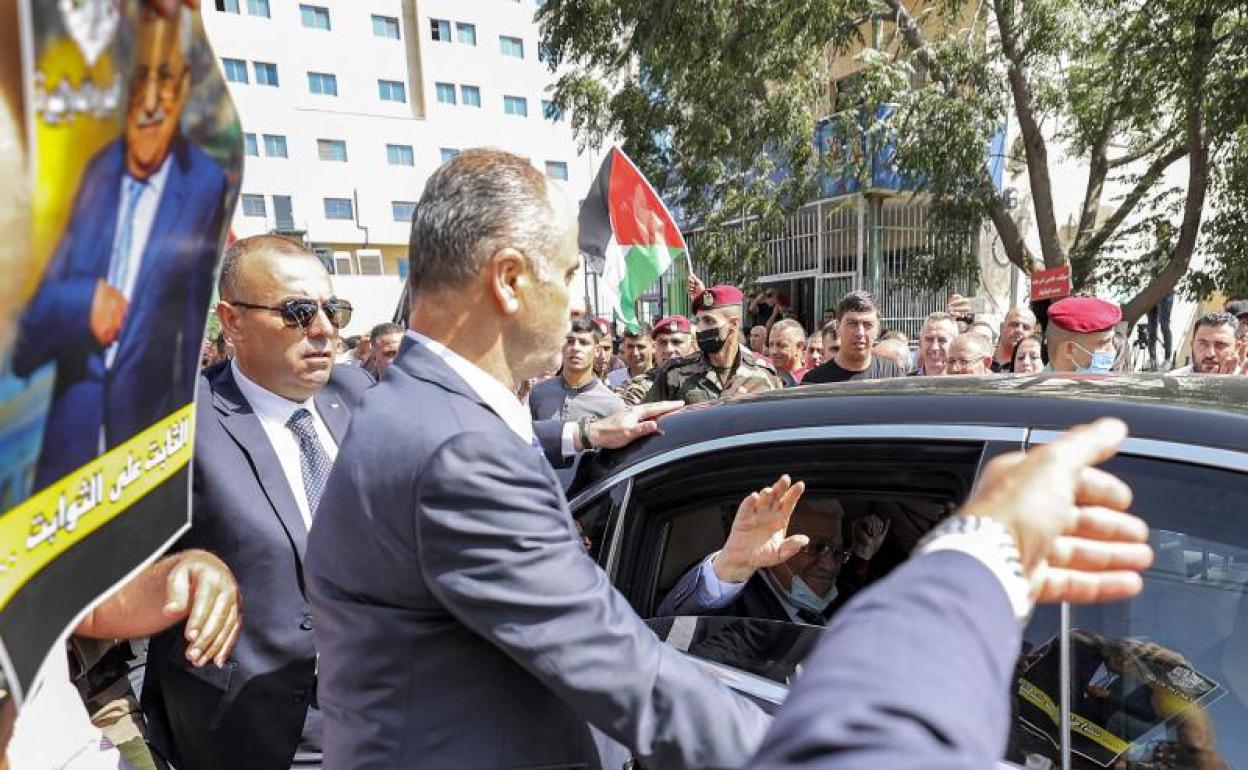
x,y
1160,681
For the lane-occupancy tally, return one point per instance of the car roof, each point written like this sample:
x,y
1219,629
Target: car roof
x,y
1200,410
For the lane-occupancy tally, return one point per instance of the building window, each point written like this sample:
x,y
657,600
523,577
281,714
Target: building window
x,y
551,112
402,210
258,8
516,105
511,46
400,155
253,206
339,208
227,6
250,146
266,73
386,26
235,70
323,83
332,149
446,93
391,91
466,33
471,96
440,29
448,153
557,169
275,145
314,16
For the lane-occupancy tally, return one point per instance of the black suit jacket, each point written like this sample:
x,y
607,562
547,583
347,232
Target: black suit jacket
x,y
250,713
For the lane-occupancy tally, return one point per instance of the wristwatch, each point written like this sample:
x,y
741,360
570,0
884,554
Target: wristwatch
x,y
587,443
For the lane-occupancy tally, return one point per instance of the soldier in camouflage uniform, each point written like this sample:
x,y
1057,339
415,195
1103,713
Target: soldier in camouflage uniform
x,y
722,366
672,339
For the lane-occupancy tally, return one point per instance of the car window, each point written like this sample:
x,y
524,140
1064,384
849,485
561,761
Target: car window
x,y
682,512
594,521
1160,681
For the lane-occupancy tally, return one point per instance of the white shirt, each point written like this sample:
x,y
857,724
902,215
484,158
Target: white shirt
x,y
495,395
274,412
54,731
145,208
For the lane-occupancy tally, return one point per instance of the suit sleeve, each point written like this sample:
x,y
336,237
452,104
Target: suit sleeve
x,y
912,675
550,436
58,319
497,545
699,592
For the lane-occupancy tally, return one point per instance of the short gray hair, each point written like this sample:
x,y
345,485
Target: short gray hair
x,y
976,344
477,203
789,325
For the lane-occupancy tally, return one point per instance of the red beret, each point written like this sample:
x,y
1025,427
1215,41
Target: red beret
x,y
672,324
1084,314
604,326
721,295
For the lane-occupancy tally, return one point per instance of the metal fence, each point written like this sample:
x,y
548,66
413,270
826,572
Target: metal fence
x,y
833,246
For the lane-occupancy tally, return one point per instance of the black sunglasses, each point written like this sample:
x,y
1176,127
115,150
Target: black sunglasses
x,y
300,313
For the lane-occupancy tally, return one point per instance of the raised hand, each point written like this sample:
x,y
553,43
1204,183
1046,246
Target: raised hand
x,y
868,535
1076,540
758,537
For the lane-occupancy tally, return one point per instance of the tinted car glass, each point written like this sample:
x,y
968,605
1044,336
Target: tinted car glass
x,y
1160,681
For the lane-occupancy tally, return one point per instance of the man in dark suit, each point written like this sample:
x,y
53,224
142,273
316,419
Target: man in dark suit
x,y
914,673
268,424
784,559
121,308
459,621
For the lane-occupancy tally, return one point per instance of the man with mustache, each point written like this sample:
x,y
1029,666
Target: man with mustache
x,y
1214,347
121,308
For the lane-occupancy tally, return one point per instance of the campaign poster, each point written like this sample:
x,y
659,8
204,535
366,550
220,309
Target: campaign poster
x,y
132,165
1125,693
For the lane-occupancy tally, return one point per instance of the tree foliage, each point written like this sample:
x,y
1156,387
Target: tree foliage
x,y
717,102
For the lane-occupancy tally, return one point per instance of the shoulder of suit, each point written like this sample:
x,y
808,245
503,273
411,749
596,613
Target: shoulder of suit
x,y
351,379
751,358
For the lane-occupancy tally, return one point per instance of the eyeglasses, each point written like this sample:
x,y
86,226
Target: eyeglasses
x,y
300,313
817,549
961,363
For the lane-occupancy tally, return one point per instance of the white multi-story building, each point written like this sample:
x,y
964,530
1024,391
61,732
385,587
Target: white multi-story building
x,y
347,106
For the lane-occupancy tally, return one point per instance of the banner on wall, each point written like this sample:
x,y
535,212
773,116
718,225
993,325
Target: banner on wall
x,y
135,155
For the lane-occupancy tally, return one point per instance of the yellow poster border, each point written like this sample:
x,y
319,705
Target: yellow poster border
x,y
63,514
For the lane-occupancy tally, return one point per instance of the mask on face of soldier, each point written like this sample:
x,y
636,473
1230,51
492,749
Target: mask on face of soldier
x,y
711,341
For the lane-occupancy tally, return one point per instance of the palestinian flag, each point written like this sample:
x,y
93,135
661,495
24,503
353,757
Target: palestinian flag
x,y
629,232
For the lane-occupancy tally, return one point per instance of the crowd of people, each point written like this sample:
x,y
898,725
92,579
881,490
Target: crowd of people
x,y
382,570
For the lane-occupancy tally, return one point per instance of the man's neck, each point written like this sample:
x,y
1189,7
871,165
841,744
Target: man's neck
x,y
638,371
578,379
845,363
465,334
727,355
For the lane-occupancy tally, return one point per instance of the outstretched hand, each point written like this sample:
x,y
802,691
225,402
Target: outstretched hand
x,y
758,537
1075,538
630,424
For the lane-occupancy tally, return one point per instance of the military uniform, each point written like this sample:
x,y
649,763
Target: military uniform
x,y
635,390
693,380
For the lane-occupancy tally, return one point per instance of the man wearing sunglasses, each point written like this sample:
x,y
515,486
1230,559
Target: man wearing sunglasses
x,y
762,573
267,429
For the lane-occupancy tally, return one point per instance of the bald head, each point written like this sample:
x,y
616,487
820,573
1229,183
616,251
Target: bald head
x,y
248,256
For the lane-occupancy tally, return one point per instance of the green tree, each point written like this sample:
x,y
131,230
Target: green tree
x,y
716,101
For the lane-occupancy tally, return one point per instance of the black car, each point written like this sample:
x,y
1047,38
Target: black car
x,y
1157,682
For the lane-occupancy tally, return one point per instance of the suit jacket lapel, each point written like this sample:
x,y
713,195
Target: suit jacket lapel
x,y
421,363
333,411
244,426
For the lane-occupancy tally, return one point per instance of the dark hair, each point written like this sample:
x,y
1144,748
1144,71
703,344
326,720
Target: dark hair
x,y
381,330
475,204
857,301
1028,338
351,342
1216,319
584,325
643,330
830,328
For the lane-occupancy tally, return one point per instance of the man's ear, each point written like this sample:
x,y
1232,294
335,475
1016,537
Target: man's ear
x,y
229,317
508,278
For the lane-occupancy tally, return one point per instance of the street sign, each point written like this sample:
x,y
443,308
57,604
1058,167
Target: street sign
x,y
1051,284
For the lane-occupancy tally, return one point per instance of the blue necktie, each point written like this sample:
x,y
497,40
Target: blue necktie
x,y
313,460
119,264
